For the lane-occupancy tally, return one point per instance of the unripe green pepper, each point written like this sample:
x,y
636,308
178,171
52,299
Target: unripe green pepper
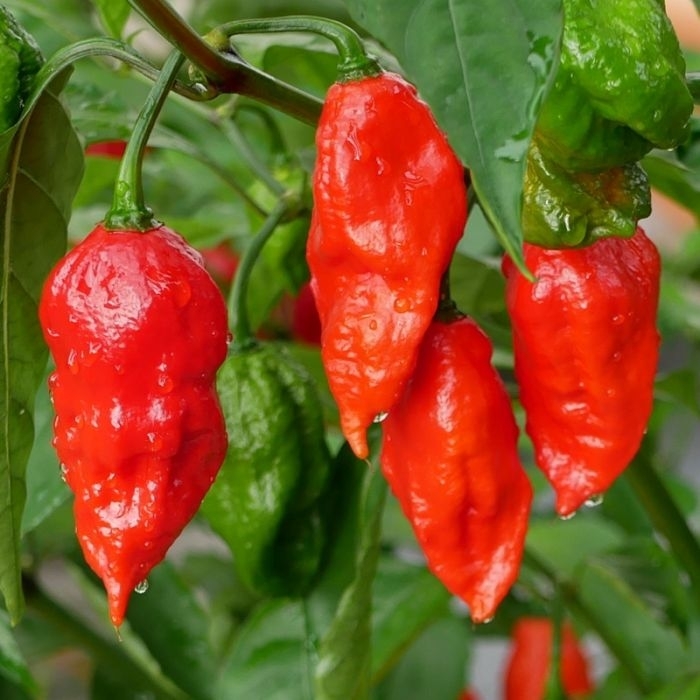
x,y
620,88
563,209
267,502
20,60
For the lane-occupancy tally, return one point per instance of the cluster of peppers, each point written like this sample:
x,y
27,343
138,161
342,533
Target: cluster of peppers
x,y
388,213
138,332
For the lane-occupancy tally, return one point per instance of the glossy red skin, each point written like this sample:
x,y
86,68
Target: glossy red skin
x,y
389,208
137,329
528,664
586,351
306,324
450,456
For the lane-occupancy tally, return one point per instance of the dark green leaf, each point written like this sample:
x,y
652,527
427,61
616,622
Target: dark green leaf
x,y
13,667
344,660
484,75
174,627
113,14
652,653
42,159
681,387
433,667
670,176
400,586
45,488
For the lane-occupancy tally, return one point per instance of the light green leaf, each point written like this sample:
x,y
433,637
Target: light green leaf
x,y
42,163
13,666
113,15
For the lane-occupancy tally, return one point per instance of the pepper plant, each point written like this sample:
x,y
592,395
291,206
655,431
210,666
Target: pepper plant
x,y
337,342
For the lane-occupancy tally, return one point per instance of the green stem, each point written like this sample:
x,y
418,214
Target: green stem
x,y
656,500
129,210
354,61
103,46
569,595
242,334
227,71
103,652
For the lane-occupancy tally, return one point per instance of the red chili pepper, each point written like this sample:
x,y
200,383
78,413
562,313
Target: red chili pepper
x,y
450,456
389,208
113,149
586,350
137,329
528,665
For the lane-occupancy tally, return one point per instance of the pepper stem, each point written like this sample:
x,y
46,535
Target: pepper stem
x,y
242,333
129,210
354,62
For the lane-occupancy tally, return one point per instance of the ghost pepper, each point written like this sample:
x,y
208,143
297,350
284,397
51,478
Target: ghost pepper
x,y
389,209
586,349
137,329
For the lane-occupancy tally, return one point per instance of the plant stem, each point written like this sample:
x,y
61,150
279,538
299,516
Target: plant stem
x,y
242,333
654,497
693,82
569,595
103,652
227,71
129,210
354,61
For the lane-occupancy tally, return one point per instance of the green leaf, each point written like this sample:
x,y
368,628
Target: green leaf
x,y
565,544
13,667
685,688
484,73
46,491
271,656
174,627
113,14
652,653
400,586
670,176
680,387
433,667
42,160
344,659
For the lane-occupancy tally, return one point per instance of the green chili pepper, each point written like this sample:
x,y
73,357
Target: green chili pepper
x,y
267,502
620,88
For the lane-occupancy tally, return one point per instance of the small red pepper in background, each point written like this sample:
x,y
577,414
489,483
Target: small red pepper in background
x,y
450,456
137,329
113,149
468,695
528,665
389,209
306,324
586,350
221,261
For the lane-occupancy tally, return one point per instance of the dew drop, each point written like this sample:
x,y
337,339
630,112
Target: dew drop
x,y
567,517
141,587
380,417
402,305
373,325
64,471
595,500
617,356
618,319
229,338
487,620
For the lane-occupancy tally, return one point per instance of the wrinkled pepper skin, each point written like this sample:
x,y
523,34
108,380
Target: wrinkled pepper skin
x,y
528,665
268,500
586,349
389,209
450,456
137,330
620,88
20,61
